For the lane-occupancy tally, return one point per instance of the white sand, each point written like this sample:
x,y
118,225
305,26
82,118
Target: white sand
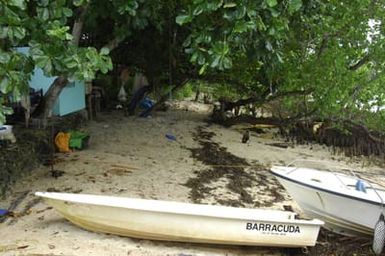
x,y
131,157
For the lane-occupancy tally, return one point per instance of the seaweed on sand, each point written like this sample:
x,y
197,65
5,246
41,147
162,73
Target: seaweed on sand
x,y
240,176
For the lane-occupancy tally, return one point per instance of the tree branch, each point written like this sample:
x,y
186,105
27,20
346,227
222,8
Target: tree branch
x,y
371,136
322,47
112,44
265,97
360,63
78,25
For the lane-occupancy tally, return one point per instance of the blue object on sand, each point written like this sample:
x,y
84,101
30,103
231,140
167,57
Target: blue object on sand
x,y
170,137
3,212
146,103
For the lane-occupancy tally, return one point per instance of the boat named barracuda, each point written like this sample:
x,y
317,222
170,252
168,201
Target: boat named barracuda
x,y
184,222
267,227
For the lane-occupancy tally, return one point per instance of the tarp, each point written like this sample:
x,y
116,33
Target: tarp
x,y
65,141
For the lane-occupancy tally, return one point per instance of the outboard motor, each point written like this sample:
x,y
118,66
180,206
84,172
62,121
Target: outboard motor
x,y
379,235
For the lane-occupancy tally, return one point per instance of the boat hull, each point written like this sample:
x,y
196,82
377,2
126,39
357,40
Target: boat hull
x,y
182,223
347,213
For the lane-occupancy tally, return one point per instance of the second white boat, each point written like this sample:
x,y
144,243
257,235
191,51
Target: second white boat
x,y
347,204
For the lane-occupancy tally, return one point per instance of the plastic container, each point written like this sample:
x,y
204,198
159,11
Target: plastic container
x,y
6,133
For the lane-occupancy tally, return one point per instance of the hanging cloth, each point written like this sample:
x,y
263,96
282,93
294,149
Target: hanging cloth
x,y
122,95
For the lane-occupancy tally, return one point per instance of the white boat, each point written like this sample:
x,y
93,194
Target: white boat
x,y
347,204
185,222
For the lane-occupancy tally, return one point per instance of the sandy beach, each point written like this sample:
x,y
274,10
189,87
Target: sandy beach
x,y
132,157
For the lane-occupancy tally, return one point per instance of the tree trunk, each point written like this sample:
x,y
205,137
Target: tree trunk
x,y
197,94
52,94
59,83
78,24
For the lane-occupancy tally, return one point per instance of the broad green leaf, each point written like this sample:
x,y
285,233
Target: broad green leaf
x,y
80,2
48,67
279,57
88,75
260,24
18,3
213,5
59,32
268,46
271,31
3,32
201,59
240,12
227,63
43,3
7,110
4,57
199,9
19,32
294,5
216,62
67,12
229,15
35,50
187,42
11,34
229,5
68,37
41,61
3,112
240,27
194,57
271,3
251,25
70,62
203,69
43,13
104,51
274,12
183,19
4,81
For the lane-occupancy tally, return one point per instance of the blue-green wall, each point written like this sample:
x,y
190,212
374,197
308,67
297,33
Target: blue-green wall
x,y
71,99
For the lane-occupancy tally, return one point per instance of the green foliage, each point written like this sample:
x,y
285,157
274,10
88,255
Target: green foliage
x,y
216,90
184,93
4,111
222,30
225,91
322,56
44,28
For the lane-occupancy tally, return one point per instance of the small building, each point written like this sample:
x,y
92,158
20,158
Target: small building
x,y
71,99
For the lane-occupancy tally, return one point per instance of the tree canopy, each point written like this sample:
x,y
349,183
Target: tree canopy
x,y
329,54
43,26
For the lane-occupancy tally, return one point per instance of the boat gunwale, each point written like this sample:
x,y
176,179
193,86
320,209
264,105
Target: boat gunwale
x,y
324,189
